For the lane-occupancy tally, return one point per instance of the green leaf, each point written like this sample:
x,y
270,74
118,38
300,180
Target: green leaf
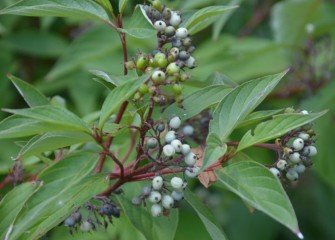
x,y
87,9
113,79
66,186
52,141
235,107
106,4
204,17
139,26
117,96
54,115
31,95
286,27
257,186
12,203
214,150
162,228
198,101
210,222
122,5
257,117
276,127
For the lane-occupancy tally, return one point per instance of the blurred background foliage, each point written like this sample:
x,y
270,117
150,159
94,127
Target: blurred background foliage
x,y
260,37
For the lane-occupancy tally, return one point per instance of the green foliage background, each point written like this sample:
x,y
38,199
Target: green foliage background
x,y
258,38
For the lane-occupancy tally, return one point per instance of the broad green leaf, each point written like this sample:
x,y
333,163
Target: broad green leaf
x,y
214,150
198,101
52,141
16,126
66,186
257,117
106,4
286,27
241,101
12,203
211,223
198,20
139,26
122,5
257,186
87,9
276,127
117,96
162,228
54,115
31,95
113,79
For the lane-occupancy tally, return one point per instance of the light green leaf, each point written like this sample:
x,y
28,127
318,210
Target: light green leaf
x,y
139,26
87,9
66,186
257,186
52,141
234,108
54,115
31,95
199,20
117,96
122,5
162,228
198,101
257,117
12,203
210,222
276,127
106,4
214,150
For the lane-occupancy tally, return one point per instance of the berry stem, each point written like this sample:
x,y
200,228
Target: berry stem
x,y
260,145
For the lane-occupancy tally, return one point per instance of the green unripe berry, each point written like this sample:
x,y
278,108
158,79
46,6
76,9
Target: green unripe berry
x,y
158,76
142,62
157,5
149,70
152,63
184,77
130,65
152,142
289,110
170,31
179,99
177,88
172,69
159,55
137,96
143,89
162,62
186,42
174,52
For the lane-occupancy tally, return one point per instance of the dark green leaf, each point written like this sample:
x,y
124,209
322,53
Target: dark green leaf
x,y
54,115
276,127
257,186
257,117
31,95
198,21
211,223
52,141
59,8
198,101
12,203
122,5
66,186
106,4
117,96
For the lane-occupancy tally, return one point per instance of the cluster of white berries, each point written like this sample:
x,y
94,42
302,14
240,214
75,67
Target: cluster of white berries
x,y
297,151
165,65
161,197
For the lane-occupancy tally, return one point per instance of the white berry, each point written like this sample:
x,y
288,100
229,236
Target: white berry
x,y
167,201
192,172
174,52
170,136
181,33
188,130
177,183
169,150
156,210
281,164
304,136
191,62
155,197
160,25
190,159
177,145
305,112
292,175
157,183
298,144
185,149
152,142
295,157
275,171
177,195
175,19
175,122
299,168
310,151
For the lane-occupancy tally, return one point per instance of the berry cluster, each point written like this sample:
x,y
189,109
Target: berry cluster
x,y
165,65
97,215
297,152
